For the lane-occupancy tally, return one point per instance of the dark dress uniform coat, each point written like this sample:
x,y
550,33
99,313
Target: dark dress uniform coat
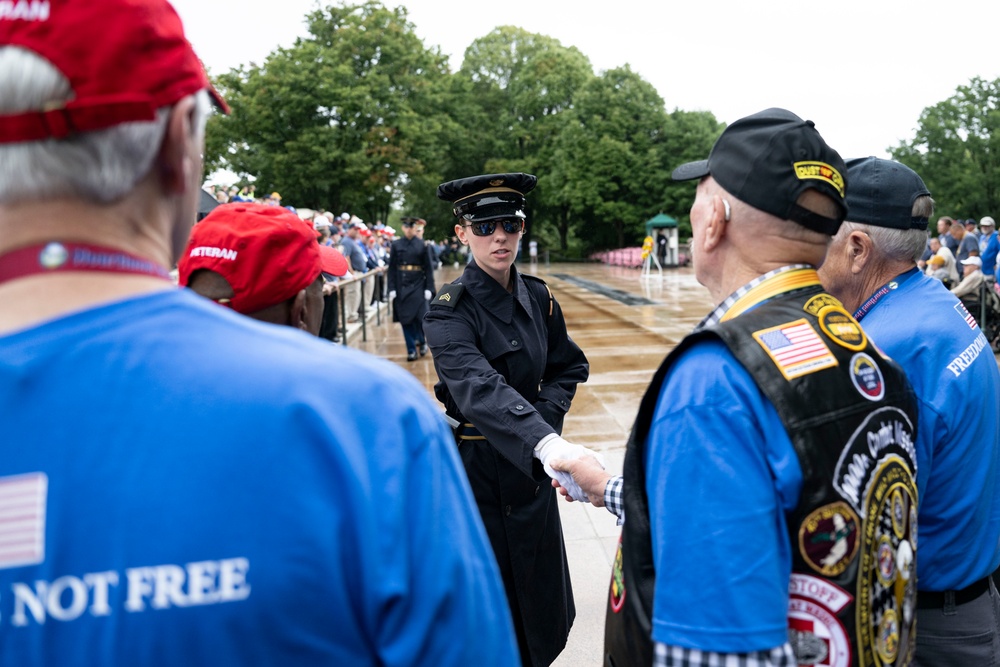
x,y
408,282
507,366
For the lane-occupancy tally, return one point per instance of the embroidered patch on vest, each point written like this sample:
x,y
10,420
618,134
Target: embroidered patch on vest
x,y
795,348
821,301
898,514
617,581
828,538
842,328
888,637
875,474
867,377
816,634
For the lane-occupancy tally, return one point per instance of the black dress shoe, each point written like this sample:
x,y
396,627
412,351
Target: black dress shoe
x,y
411,356
423,349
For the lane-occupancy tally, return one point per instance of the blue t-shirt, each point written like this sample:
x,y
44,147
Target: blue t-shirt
x,y
968,243
181,485
927,331
989,246
723,469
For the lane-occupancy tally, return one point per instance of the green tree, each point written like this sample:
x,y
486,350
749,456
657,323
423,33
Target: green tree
x,y
689,136
361,116
522,85
339,120
608,171
447,122
956,150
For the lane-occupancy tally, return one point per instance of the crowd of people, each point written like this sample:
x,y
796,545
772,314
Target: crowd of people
x,y
964,257
808,480
369,274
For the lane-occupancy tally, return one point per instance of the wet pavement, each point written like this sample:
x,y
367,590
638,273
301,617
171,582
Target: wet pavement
x,y
625,344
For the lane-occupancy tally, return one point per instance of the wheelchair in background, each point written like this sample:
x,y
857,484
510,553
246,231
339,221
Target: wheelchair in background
x,y
985,307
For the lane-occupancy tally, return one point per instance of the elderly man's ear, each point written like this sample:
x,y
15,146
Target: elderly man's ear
x,y
859,248
715,228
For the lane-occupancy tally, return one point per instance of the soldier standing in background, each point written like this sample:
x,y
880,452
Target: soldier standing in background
x,y
411,284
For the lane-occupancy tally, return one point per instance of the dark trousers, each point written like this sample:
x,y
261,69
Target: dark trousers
x,y
380,291
960,635
413,334
331,316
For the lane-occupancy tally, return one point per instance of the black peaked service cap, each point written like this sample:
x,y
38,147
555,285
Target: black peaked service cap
x,y
489,196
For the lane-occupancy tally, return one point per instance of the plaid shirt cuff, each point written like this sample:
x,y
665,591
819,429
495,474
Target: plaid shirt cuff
x,y
674,656
613,497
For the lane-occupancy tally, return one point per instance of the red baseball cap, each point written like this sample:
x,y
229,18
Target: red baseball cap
x,y
124,59
266,253
332,261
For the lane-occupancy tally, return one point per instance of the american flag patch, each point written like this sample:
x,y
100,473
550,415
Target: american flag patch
x,y
966,315
796,348
22,519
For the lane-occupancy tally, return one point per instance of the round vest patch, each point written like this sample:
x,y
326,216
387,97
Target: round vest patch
x,y
842,328
887,577
867,377
828,538
617,581
815,633
874,474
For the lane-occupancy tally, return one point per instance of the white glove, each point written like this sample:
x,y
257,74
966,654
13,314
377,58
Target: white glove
x,y
554,447
427,295
392,295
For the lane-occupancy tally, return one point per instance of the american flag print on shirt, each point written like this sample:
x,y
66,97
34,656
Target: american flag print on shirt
x,y
966,315
22,519
796,348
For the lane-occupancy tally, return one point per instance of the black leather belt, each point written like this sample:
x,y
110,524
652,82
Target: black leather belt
x,y
410,267
938,599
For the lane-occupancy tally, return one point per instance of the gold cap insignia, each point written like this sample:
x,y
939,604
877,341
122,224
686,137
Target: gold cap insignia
x,y
496,182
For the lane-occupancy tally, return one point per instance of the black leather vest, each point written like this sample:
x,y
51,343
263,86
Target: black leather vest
x,y
851,416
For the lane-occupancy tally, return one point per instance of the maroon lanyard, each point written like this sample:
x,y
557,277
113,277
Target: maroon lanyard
x,y
860,313
57,256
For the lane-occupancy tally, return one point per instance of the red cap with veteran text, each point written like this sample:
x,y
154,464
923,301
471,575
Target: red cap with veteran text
x,y
266,253
124,59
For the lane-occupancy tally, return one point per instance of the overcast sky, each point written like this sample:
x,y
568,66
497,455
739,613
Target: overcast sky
x,y
863,70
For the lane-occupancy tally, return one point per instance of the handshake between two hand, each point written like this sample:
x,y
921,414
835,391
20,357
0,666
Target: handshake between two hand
x,y
577,472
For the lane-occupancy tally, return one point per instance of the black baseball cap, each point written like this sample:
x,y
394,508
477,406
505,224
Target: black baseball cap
x,y
489,196
882,193
768,160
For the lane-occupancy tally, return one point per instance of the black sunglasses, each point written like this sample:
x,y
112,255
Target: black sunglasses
x,y
486,228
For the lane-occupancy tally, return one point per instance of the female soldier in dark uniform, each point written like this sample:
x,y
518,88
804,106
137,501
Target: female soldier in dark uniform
x,y
508,371
411,284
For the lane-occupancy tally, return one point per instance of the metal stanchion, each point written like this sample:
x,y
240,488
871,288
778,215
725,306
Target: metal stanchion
x,y
342,304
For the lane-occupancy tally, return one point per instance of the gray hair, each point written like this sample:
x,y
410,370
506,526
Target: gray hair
x,y
902,245
101,166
